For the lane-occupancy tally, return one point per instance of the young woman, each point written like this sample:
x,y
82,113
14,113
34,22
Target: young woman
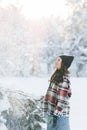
x,y
56,106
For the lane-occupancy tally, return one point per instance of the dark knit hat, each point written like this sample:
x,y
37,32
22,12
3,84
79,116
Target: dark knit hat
x,y
67,60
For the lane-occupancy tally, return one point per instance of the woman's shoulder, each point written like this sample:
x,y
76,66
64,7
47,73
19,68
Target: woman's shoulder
x,y
66,81
66,77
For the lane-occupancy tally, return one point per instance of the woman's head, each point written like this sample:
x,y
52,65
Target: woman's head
x,y
63,61
61,66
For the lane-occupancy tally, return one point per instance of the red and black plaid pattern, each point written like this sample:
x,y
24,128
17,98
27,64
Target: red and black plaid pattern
x,y
57,98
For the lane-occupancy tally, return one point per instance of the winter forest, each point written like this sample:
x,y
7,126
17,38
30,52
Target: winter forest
x,y
33,33
30,47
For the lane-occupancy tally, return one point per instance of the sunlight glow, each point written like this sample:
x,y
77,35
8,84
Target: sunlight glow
x,y
44,8
36,9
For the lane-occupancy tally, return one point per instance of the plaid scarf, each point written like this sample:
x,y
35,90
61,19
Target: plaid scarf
x,y
56,99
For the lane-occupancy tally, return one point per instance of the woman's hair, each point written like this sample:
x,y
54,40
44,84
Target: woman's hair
x,y
57,75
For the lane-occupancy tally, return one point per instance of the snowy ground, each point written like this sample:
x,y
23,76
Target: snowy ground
x,y
38,86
